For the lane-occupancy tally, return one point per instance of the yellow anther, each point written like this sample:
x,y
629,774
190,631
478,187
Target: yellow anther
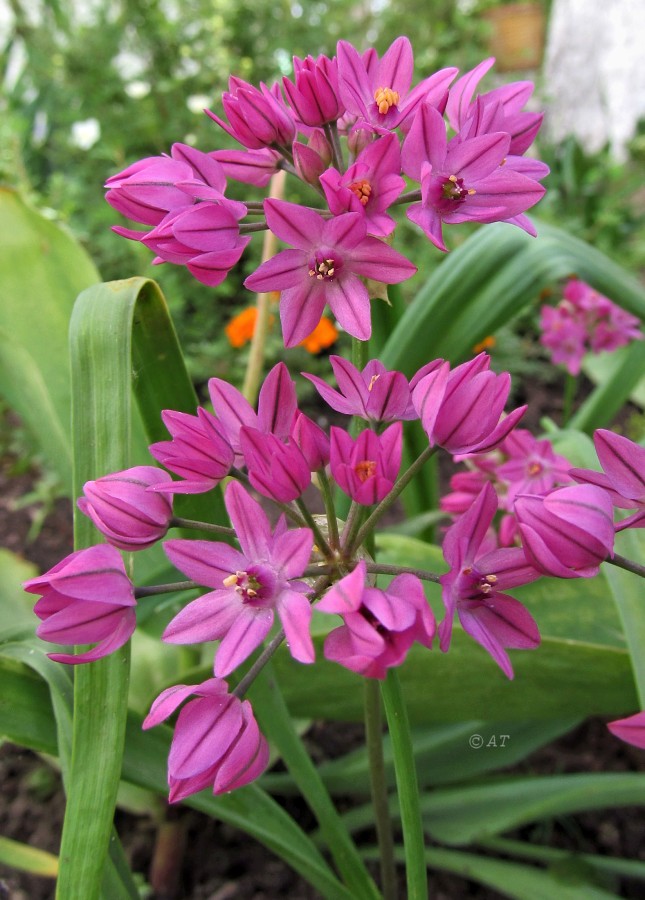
x,y
373,381
472,191
491,579
365,469
362,189
385,98
230,580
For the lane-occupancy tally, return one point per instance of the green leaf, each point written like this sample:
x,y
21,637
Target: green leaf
x,y
627,591
26,715
28,859
42,269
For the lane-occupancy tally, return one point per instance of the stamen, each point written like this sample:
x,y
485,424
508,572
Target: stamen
x,y
362,189
373,381
386,98
491,579
365,469
230,580
325,269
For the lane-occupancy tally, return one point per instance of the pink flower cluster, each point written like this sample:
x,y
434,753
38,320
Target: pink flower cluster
x,y
389,128
280,572
584,321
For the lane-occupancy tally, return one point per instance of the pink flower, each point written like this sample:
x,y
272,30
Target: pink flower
x,y
248,586
475,583
86,598
378,91
312,441
460,410
462,180
314,97
124,511
216,741
257,117
531,466
198,452
277,405
568,532
631,730
374,394
366,468
623,462
255,167
330,259
379,626
277,470
369,186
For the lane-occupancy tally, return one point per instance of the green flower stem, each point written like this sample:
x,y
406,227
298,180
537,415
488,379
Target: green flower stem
x,y
384,569
251,228
328,499
408,197
321,543
378,786
179,522
389,499
352,525
336,150
626,564
255,366
570,390
408,790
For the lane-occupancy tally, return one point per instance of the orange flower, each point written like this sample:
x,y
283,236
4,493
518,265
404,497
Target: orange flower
x,y
323,336
487,343
241,327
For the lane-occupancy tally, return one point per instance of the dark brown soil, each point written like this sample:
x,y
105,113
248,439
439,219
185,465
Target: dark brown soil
x,y
220,863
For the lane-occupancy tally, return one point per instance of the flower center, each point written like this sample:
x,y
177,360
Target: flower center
x,y
486,583
362,189
365,469
322,269
534,468
385,98
245,584
453,189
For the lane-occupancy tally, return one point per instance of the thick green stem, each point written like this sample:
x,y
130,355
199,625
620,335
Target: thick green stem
x,y
321,543
378,786
328,498
179,522
407,787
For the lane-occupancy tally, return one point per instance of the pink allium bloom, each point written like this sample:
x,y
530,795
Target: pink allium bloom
x,y
205,238
366,468
379,626
623,462
277,470
531,467
249,586
584,320
124,511
378,91
198,452
312,441
257,117
216,741
309,163
277,405
475,583
568,532
330,259
465,487
464,180
369,186
315,97
255,167
460,410
631,730
86,597
374,394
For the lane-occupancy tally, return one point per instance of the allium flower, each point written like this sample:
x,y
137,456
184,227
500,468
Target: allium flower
x,y
277,470
85,598
378,91
568,532
198,452
366,468
216,741
248,586
369,186
460,411
331,257
379,626
584,320
475,584
315,97
462,180
257,117
124,511
623,462
531,466
255,167
374,394
312,441
277,405
631,730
